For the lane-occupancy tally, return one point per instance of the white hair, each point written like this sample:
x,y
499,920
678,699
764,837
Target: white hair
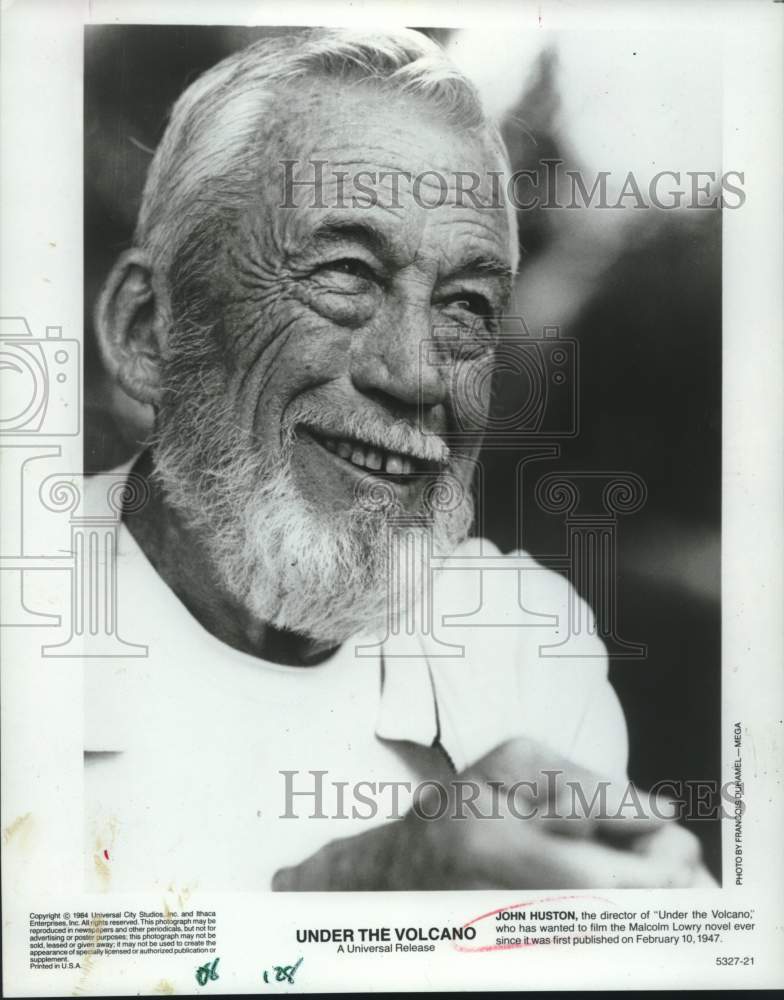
x,y
216,121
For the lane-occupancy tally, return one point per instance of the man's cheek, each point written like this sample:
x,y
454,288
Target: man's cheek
x,y
261,338
336,305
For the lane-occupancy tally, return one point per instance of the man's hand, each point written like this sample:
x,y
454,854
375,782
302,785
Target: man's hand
x,y
527,826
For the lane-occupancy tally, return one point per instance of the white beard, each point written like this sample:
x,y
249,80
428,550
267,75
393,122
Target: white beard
x,y
289,565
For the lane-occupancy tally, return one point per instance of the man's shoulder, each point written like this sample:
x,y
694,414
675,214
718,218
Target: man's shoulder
x,y
483,553
517,587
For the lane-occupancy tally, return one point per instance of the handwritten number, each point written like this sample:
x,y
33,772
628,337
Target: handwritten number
x,y
207,972
283,973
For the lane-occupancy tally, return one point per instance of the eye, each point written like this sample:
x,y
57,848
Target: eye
x,y
346,290
349,266
471,302
473,311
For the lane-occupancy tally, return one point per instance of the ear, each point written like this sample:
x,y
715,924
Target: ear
x,y
131,327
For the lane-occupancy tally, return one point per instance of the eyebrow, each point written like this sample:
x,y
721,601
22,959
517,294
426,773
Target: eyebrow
x,y
353,231
483,265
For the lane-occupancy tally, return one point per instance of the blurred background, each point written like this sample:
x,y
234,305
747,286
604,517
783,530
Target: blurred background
x,y
639,291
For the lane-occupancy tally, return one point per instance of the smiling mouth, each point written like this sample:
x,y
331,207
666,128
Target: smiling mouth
x,y
370,458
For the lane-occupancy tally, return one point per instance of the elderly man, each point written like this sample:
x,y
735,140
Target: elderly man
x,y
285,275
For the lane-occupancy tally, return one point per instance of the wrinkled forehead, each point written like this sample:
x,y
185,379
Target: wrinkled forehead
x,y
388,160
326,113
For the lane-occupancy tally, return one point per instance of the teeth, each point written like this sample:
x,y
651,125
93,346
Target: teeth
x,y
372,458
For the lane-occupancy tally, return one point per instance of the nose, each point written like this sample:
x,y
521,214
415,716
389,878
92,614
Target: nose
x,y
392,361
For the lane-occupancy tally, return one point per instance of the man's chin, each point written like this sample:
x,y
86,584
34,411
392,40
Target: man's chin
x,y
330,591
329,615
332,625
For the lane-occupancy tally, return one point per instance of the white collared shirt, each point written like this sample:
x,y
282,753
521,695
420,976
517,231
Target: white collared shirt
x,y
185,748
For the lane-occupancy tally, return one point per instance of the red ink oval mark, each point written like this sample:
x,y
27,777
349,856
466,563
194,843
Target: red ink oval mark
x,y
519,906
106,854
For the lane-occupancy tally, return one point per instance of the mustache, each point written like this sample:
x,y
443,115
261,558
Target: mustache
x,y
369,428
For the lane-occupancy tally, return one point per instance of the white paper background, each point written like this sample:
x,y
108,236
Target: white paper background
x,y
41,699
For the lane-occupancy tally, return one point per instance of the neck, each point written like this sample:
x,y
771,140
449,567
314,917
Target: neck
x,y
180,557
